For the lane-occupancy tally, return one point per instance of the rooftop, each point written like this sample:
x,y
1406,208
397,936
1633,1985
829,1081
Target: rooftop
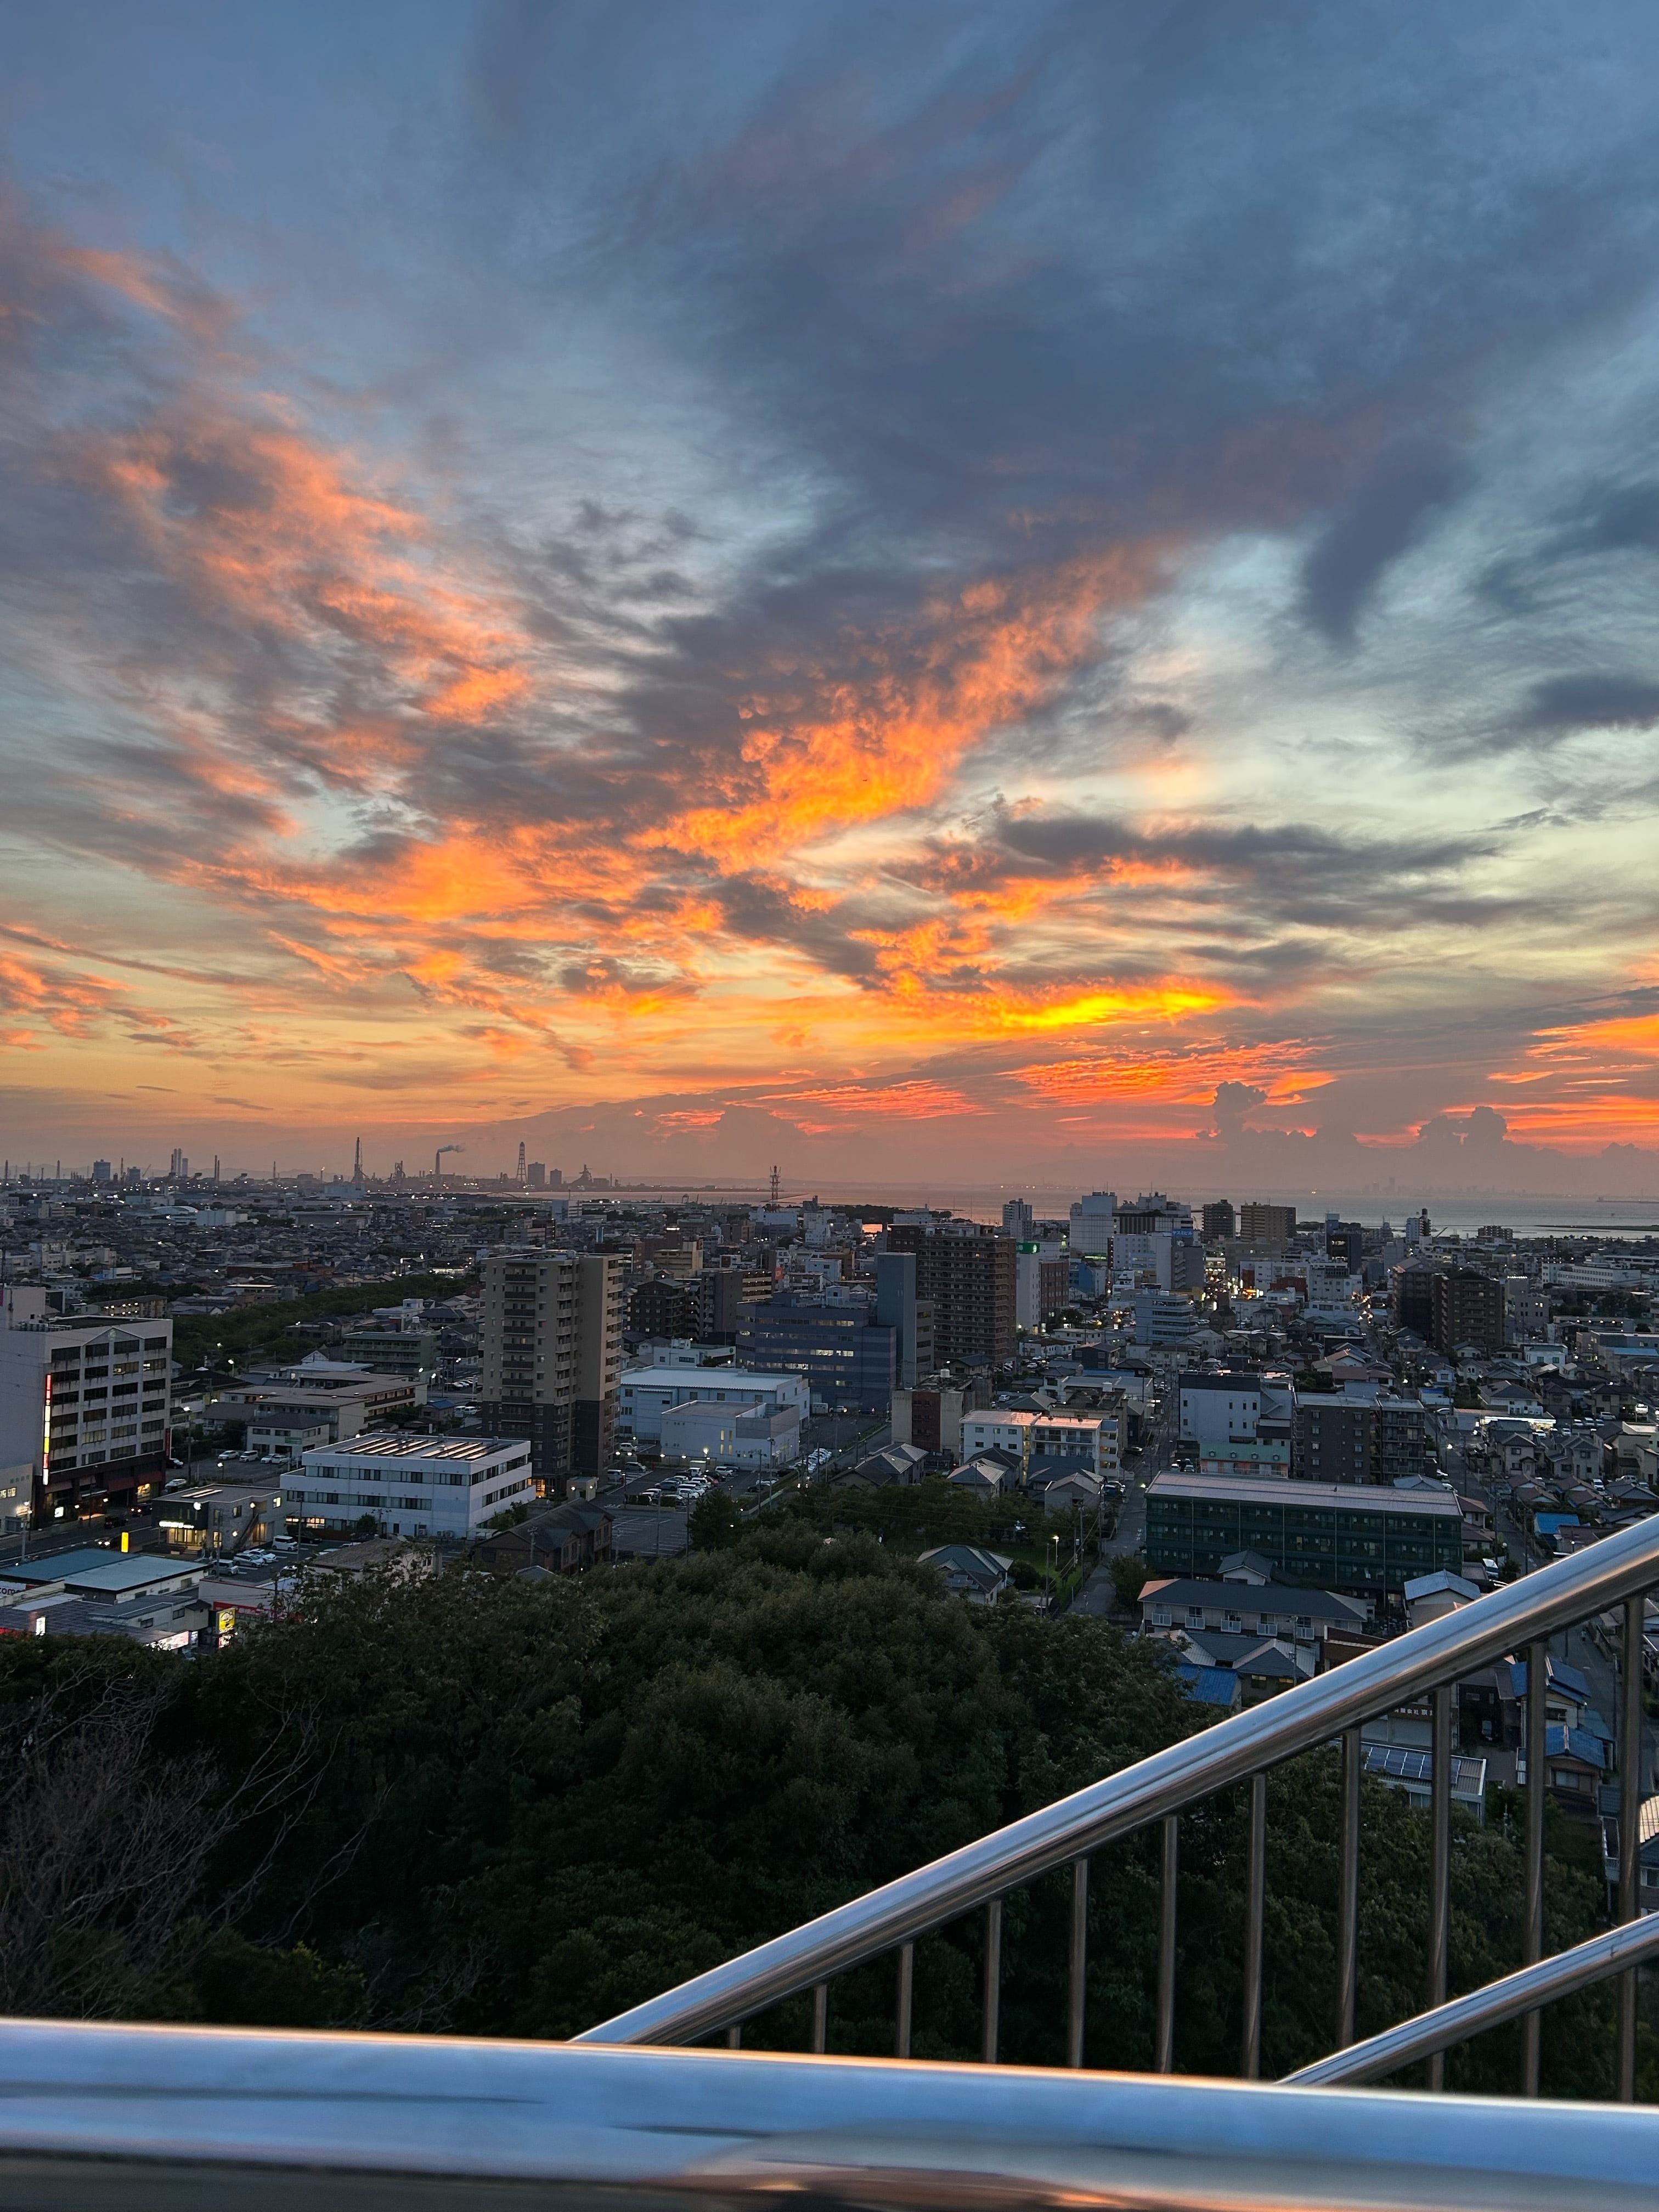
x,y
399,1443
1344,1497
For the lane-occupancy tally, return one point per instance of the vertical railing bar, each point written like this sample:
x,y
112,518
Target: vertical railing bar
x,y
1166,1944
1630,1830
906,1983
820,2015
1538,1663
1077,1983
993,1980
1347,1901
1439,1862
734,2037
1256,1909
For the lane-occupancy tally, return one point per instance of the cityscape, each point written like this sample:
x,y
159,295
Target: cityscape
x,y
830,1151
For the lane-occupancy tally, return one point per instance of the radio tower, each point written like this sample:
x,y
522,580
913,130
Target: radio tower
x,y
776,1192
357,1164
521,1169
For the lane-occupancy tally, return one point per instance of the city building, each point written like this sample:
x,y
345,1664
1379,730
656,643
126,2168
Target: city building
x,y
644,1395
1093,1220
1265,1224
85,1404
1017,1218
1337,1536
551,1350
660,1308
1217,1410
1465,1307
408,1486
730,1431
392,1350
848,1359
1218,1223
1042,1283
966,1274
1164,1318
931,1415
901,1307
220,1518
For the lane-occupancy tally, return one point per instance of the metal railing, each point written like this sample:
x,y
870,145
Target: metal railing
x,y
1331,1707
136,2119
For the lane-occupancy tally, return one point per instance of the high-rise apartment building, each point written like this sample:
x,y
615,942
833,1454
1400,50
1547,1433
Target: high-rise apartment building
x,y
968,1275
1466,1308
1218,1222
1267,1224
552,1353
1017,1218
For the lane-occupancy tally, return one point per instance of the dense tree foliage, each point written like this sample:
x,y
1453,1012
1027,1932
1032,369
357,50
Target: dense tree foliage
x,y
247,1332
516,1809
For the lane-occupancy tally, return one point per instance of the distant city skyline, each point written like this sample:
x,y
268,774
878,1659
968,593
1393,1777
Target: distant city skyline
x,y
948,592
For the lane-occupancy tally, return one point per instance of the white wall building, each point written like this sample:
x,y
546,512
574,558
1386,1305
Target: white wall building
x,y
730,1434
1217,1410
644,1394
85,1403
410,1486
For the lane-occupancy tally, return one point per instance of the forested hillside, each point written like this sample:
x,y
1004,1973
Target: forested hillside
x,y
514,1808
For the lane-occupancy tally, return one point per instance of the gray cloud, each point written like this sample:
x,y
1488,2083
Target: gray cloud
x,y
1387,515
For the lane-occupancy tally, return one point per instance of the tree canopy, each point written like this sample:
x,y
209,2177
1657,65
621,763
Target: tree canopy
x,y
515,1808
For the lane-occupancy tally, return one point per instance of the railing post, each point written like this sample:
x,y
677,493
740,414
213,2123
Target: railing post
x,y
1538,1663
1254,1911
993,1979
734,2037
1630,1831
1347,1890
1077,1983
820,2015
906,1983
1439,1862
1166,1945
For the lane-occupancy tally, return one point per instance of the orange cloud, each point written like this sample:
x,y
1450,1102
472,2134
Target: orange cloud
x,y
828,752
915,1100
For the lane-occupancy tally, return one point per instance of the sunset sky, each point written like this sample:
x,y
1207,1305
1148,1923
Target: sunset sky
x,y
998,591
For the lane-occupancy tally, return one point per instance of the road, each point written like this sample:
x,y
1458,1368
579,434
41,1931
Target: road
x,y
1097,1596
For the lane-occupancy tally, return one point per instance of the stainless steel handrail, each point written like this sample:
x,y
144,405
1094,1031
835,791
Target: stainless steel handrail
x,y
1615,1951
1315,1712
129,2118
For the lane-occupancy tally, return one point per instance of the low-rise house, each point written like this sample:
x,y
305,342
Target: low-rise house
x,y
217,1519
1398,1766
1432,1597
1189,1606
1575,1768
898,1465
1216,1686
564,1540
979,1576
1264,1665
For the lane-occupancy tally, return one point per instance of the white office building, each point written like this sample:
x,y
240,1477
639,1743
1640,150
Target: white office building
x,y
644,1394
408,1486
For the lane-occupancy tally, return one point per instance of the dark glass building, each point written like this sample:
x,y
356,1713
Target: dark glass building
x,y
848,1360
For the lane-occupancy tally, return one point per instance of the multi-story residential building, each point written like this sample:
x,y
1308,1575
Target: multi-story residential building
x,y
551,1349
1017,1218
661,1308
1337,1536
1219,1410
1265,1224
392,1351
967,1274
1332,1438
86,1405
1041,1284
1218,1222
408,1486
1465,1307
849,1360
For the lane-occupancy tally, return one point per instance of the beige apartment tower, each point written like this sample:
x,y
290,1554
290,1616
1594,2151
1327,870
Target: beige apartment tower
x,y
552,1352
